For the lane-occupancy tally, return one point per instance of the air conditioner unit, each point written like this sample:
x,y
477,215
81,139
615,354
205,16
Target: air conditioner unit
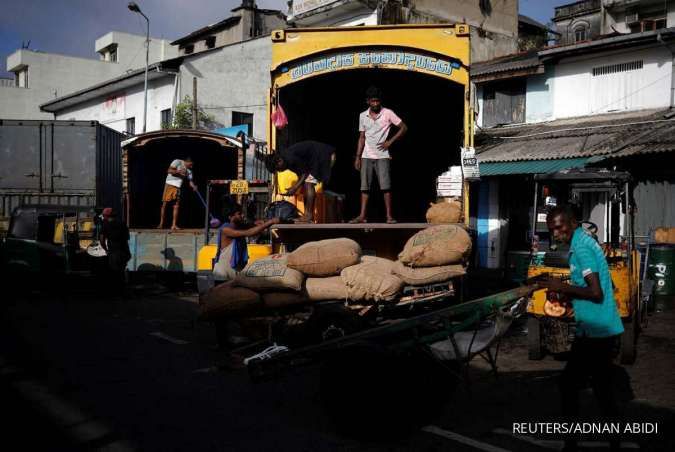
x,y
632,18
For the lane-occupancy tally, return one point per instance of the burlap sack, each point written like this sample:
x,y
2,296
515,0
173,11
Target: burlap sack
x,y
227,299
371,280
283,299
332,288
664,235
270,273
325,257
437,245
444,212
427,275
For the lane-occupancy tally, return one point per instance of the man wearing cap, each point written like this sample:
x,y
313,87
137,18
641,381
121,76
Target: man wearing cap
x,y
179,171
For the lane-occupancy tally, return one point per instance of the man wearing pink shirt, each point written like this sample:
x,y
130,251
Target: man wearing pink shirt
x,y
372,153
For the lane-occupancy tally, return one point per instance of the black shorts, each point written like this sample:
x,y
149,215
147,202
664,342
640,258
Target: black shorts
x,y
381,168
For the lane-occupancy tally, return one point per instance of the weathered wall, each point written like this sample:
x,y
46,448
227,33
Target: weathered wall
x,y
233,78
113,111
578,92
538,97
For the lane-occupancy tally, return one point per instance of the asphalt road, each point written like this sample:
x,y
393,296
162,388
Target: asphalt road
x,y
90,373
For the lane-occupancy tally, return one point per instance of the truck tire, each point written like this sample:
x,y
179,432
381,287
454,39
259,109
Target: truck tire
x,y
534,343
331,322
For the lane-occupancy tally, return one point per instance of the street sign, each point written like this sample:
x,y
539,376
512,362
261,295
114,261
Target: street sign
x,y
470,167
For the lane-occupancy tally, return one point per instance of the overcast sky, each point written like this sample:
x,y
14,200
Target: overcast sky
x,y
71,26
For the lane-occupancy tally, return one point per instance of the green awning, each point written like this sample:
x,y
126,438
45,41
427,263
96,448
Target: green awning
x,y
530,166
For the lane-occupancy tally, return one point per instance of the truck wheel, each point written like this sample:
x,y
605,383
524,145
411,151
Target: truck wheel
x,y
628,345
534,345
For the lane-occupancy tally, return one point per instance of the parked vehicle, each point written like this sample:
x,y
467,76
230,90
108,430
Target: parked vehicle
x,y
69,163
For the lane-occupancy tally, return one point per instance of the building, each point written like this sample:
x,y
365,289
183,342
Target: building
x,y
247,22
606,103
41,76
494,25
588,19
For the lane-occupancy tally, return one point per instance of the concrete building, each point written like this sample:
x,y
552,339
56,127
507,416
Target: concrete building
x,y
494,25
588,19
41,76
233,94
247,22
604,103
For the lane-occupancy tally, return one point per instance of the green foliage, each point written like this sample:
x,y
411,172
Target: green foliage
x,y
182,118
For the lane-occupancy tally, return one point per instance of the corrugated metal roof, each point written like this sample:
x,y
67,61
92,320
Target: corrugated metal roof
x,y
601,137
523,60
529,167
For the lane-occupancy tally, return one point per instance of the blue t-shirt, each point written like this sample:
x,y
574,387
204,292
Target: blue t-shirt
x,y
593,319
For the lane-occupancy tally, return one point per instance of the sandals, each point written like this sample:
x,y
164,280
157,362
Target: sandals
x,y
391,221
357,221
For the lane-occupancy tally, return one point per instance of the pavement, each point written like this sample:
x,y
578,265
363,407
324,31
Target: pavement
x,y
93,373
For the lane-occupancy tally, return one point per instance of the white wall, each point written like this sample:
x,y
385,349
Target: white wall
x,y
113,111
578,93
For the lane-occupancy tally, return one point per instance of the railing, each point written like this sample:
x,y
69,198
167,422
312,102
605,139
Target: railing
x,y
7,83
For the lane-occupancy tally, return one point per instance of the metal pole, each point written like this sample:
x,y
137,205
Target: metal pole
x,y
194,102
534,214
147,57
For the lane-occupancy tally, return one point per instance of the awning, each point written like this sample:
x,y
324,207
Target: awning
x,y
530,166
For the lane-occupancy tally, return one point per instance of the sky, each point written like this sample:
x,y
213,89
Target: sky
x,y
70,27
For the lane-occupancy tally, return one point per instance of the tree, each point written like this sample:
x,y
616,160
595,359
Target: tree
x,y
182,118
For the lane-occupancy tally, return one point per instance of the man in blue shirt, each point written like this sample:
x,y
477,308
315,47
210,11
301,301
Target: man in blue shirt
x,y
598,323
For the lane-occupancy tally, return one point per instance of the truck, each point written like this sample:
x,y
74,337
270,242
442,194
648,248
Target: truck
x,y
72,163
319,77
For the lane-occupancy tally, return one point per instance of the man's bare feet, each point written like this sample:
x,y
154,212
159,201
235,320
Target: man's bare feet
x,y
161,226
175,228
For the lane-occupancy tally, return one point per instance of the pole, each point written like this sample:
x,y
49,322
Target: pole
x,y
194,102
147,58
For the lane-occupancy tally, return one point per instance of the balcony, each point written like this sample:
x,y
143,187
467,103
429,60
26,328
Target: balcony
x,y
575,9
313,12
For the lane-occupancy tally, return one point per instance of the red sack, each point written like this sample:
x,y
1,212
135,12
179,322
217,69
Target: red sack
x,y
279,118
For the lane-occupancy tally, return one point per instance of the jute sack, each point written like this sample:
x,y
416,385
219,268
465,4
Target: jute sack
x,y
444,212
325,257
227,299
437,245
270,273
283,299
371,280
664,235
332,288
427,275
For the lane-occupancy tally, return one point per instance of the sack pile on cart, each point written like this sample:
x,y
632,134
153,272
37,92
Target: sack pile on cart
x,y
335,269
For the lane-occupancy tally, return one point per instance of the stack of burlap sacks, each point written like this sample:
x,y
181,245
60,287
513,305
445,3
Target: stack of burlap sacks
x,y
335,269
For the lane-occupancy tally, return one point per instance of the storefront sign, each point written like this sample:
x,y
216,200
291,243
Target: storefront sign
x,y
470,167
403,60
302,6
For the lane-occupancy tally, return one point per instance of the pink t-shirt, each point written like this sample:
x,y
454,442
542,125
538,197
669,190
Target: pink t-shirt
x,y
376,131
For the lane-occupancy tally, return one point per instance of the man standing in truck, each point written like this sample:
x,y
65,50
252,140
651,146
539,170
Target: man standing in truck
x,y
179,171
372,152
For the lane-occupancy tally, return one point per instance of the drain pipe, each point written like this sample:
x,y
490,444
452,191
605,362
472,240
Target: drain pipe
x,y
671,48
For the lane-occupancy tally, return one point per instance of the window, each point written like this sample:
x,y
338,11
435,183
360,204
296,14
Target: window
x,y
113,55
239,118
131,126
210,42
620,67
165,118
189,49
21,78
580,34
504,102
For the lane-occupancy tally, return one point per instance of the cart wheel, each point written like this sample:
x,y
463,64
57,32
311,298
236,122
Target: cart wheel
x,y
333,322
534,345
370,392
628,344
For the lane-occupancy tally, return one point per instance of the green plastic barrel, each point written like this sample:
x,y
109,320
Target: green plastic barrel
x,y
662,269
